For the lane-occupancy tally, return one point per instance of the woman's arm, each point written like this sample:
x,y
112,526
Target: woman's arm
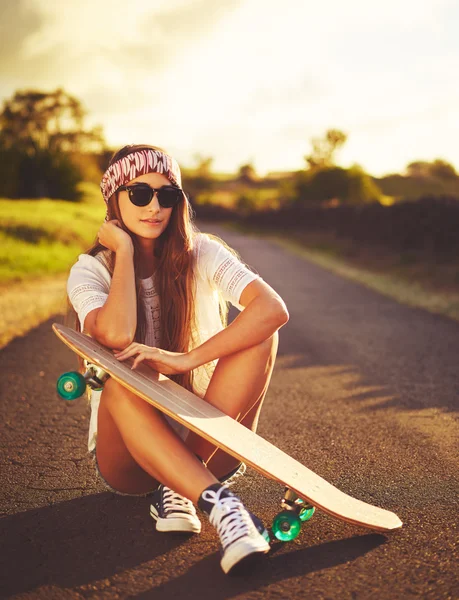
x,y
264,313
115,323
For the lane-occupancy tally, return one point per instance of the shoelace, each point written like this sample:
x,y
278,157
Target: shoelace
x,y
239,473
228,515
174,502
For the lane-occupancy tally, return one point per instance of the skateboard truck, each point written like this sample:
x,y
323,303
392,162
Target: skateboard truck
x,y
73,384
287,524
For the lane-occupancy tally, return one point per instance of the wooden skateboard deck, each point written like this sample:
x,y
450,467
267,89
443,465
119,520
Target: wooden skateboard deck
x,y
226,433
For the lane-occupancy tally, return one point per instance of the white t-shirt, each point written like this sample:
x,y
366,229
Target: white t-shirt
x,y
218,271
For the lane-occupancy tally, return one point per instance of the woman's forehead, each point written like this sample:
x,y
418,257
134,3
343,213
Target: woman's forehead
x,y
154,179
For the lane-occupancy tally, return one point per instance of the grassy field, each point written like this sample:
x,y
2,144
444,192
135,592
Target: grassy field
x,y
39,241
40,238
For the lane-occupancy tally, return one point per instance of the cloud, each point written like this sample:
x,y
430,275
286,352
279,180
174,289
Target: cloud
x,y
109,53
20,20
137,37
190,20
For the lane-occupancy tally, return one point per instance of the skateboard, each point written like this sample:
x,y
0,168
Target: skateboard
x,y
304,490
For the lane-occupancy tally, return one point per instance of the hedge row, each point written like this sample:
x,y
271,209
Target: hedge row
x,y
428,226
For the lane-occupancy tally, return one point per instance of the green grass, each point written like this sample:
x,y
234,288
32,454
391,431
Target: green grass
x,y
44,237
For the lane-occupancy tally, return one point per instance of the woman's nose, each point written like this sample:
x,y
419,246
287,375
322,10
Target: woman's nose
x,y
154,203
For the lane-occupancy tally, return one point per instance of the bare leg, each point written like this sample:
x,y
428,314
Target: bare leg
x,y
238,388
136,448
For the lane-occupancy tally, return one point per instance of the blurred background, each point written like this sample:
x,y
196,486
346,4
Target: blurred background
x,y
331,126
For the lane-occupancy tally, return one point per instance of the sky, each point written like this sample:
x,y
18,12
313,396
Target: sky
x,y
248,80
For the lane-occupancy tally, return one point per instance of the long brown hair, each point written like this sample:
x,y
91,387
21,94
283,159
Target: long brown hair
x,y
174,277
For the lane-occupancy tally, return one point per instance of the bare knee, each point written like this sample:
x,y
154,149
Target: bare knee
x,y
111,390
109,386
114,396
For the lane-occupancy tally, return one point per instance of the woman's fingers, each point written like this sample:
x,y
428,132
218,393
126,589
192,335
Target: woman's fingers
x,y
157,359
126,353
131,350
140,352
140,358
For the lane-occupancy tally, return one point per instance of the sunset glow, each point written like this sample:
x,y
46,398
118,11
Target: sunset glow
x,y
249,80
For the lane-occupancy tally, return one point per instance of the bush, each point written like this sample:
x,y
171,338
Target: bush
x,y
10,164
44,174
334,184
245,204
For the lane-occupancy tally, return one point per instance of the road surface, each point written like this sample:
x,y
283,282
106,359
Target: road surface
x,y
364,392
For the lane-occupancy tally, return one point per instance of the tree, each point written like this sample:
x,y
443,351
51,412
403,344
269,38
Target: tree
x,y
247,173
33,121
418,168
438,168
40,133
50,175
199,179
204,166
442,169
324,149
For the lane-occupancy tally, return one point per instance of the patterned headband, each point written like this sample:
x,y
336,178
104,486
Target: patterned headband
x,y
139,163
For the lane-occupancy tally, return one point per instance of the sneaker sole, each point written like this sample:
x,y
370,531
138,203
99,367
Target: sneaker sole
x,y
175,524
242,554
246,566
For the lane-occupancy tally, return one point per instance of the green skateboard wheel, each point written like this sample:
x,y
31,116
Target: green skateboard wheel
x,y
306,512
71,385
286,526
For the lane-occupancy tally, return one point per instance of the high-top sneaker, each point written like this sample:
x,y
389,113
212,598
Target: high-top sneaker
x,y
173,512
239,535
230,478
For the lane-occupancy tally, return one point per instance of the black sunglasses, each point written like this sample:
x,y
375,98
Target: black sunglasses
x,y
140,194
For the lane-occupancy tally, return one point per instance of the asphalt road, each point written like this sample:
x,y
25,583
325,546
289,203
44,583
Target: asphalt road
x,y
365,393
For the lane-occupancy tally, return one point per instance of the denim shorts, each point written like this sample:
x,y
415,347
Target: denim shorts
x,y
109,487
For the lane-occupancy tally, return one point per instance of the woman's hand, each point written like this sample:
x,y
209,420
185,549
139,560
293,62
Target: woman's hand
x,y
113,237
163,361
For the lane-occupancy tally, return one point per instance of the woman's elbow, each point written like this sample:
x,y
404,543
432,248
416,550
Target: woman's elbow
x,y
280,314
121,342
108,331
284,316
115,340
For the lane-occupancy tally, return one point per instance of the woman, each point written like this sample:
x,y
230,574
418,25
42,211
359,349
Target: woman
x,y
154,289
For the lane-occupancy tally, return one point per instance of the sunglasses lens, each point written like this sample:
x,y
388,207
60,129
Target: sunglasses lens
x,y
169,196
140,195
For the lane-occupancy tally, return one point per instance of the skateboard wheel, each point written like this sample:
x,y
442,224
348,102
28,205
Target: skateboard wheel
x,y
306,512
71,385
286,526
